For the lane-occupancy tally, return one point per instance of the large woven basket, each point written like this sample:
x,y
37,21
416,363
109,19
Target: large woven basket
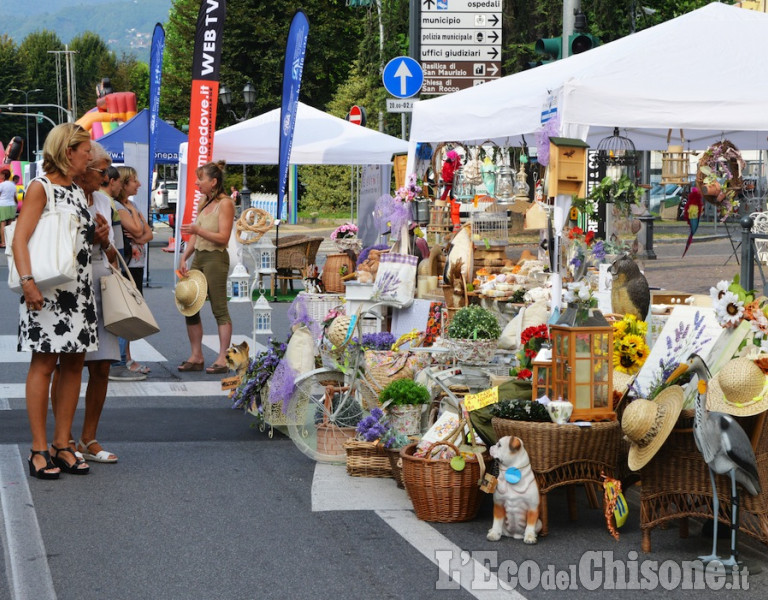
x,y
336,267
396,463
551,446
367,459
473,352
439,493
331,438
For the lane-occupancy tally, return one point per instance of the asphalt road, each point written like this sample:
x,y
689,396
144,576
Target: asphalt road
x,y
203,505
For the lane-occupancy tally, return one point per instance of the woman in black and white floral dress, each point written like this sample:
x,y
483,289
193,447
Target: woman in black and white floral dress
x,y
57,324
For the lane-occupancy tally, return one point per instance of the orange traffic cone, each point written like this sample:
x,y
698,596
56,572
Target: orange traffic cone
x,y
171,247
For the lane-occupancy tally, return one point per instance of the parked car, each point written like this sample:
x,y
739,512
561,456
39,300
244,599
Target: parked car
x,y
664,196
162,201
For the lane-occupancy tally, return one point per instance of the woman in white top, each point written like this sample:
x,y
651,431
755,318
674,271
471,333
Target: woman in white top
x,y
97,361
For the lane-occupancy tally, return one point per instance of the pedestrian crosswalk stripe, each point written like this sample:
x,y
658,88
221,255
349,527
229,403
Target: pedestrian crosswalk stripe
x,y
132,389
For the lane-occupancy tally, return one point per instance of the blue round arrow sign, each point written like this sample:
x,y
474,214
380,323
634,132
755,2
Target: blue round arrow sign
x,y
403,77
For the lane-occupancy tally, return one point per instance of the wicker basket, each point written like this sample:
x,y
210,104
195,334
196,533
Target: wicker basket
x,y
332,272
473,352
396,464
337,331
367,459
551,446
440,494
331,439
677,485
354,244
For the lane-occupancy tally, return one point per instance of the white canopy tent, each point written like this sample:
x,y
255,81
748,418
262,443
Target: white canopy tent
x,y
699,72
319,139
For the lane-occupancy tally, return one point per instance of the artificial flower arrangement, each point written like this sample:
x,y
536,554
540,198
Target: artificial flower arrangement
x,y
247,396
579,251
733,305
521,410
579,293
630,350
347,230
720,176
393,213
531,341
377,427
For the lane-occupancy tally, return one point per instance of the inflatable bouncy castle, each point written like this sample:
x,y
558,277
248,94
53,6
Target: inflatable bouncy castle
x,y
112,110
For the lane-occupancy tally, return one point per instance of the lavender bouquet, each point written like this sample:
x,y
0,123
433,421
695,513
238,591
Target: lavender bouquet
x,y
247,396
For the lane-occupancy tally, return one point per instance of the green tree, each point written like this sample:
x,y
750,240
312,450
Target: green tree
x,y
132,75
40,72
93,61
11,76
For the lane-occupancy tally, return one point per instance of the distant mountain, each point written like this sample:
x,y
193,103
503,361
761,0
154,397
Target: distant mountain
x,y
126,26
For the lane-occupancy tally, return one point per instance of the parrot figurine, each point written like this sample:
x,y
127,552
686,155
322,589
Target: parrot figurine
x,y
693,209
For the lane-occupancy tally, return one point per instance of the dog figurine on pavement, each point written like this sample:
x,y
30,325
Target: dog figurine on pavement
x,y
516,499
238,358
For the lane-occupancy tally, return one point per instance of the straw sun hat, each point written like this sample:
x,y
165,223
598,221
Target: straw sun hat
x,y
191,291
740,388
648,423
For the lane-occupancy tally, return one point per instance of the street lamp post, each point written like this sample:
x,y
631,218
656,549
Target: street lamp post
x,y
26,102
249,96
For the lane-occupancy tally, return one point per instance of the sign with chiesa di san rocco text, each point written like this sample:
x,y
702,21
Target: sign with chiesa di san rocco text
x,y
460,44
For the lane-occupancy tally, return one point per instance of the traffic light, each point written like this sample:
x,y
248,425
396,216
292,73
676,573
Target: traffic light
x,y
552,47
581,42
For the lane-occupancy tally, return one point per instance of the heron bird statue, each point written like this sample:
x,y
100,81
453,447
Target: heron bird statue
x,y
726,449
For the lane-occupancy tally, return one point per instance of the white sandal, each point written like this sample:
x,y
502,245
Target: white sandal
x,y
102,456
78,454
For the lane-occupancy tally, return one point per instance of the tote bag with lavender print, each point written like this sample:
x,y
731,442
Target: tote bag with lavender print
x,y
395,279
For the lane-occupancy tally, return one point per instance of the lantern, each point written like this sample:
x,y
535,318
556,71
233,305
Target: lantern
x,y
675,162
521,188
504,184
238,284
542,373
462,189
262,316
264,256
582,366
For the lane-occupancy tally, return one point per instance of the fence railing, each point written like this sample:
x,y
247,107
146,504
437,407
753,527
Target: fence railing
x,y
749,255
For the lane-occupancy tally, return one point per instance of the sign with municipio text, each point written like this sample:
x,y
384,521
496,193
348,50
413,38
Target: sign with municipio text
x,y
460,44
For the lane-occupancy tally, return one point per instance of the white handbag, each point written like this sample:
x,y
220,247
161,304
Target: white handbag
x,y
396,278
125,311
53,246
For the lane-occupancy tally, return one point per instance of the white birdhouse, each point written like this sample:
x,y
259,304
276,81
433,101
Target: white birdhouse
x,y
262,316
264,255
238,284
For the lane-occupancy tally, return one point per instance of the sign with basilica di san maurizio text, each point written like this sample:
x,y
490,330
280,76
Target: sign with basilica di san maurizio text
x,y
460,44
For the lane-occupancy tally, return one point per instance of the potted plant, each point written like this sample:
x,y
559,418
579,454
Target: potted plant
x,y
345,238
403,400
474,332
623,193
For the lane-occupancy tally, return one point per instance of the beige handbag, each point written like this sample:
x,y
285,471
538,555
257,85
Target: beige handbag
x,y
126,313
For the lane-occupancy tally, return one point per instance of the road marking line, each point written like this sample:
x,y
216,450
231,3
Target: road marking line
x,y
132,389
427,540
29,576
212,342
141,350
333,489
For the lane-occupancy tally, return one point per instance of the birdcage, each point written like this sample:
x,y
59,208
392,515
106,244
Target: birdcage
x,y
618,155
490,227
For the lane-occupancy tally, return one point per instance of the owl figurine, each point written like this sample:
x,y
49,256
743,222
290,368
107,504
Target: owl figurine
x,y
630,293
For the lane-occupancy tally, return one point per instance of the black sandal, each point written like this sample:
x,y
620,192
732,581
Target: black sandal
x,y
67,468
41,473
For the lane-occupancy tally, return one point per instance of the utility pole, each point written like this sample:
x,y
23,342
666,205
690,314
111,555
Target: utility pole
x,y
570,8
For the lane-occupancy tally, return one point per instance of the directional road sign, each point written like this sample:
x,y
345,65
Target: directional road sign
x,y
460,43
403,77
